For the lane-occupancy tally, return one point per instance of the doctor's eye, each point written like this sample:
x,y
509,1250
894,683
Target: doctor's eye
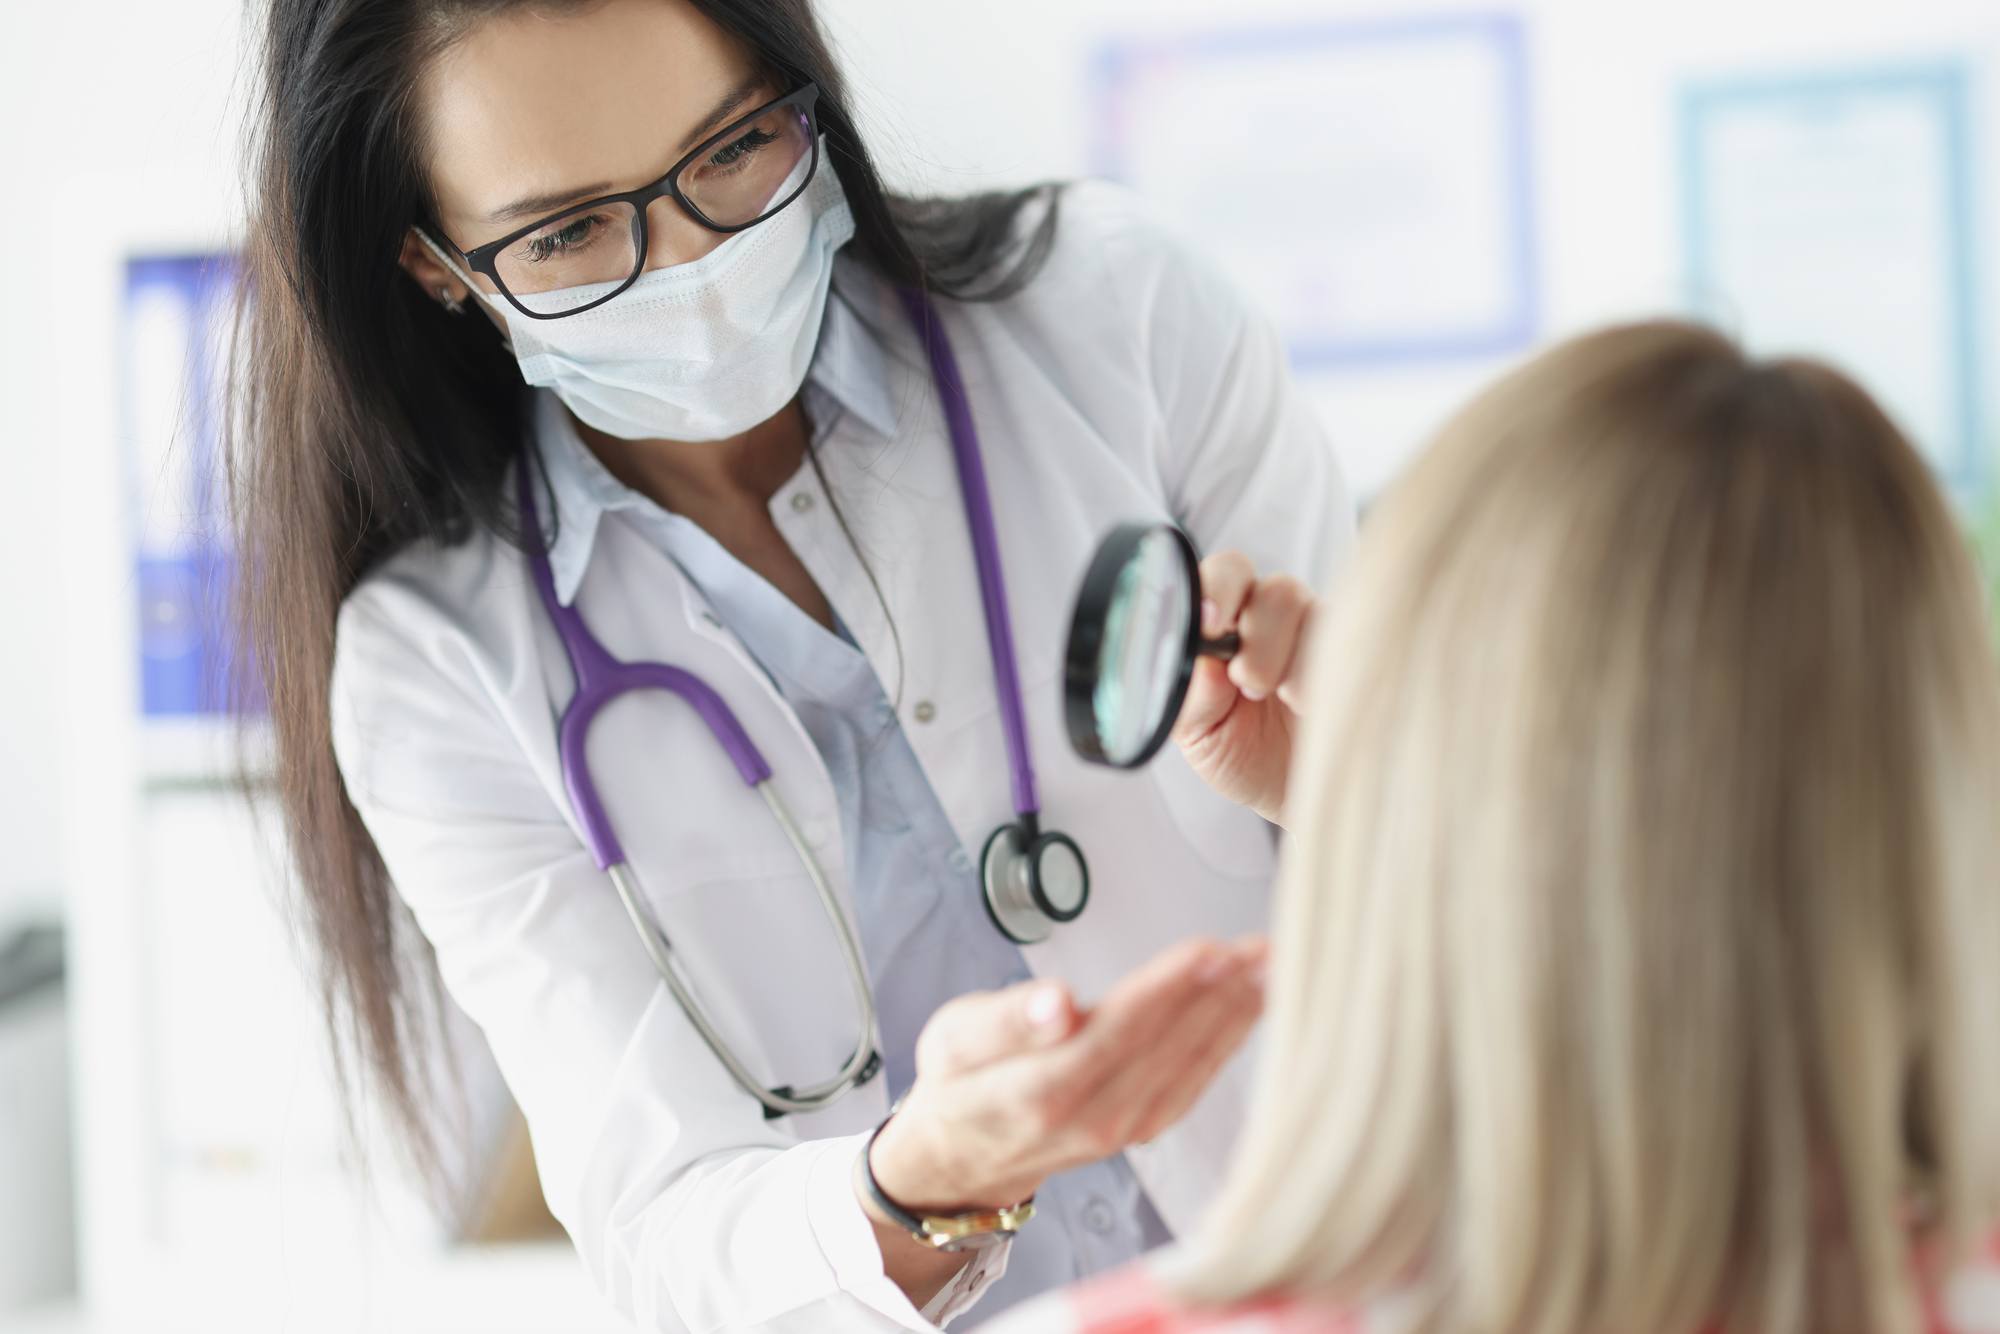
x,y
733,154
596,244
563,238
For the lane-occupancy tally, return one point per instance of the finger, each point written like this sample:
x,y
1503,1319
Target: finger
x,y
1269,625
1137,1011
1182,1092
1130,1030
1235,987
988,1026
1292,688
1116,1111
1210,698
1226,580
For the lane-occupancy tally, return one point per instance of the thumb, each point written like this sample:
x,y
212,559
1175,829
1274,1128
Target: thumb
x,y
988,1026
1210,697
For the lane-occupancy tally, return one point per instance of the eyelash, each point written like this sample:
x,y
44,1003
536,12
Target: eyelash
x,y
729,155
550,244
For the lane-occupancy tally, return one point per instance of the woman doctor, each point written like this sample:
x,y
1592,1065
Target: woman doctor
x,y
586,333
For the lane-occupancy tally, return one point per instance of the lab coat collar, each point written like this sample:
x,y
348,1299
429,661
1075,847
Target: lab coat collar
x,y
851,364
582,488
850,369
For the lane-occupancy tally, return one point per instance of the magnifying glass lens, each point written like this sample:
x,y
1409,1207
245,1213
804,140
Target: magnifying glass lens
x,y
1139,658
1133,641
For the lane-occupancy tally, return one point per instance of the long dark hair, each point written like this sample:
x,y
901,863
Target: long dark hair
x,y
367,418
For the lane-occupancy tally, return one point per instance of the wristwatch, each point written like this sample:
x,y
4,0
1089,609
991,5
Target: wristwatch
x,y
950,1233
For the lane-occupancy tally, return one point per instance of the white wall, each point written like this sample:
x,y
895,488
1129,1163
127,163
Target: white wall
x,y
114,137
968,94
29,654
114,140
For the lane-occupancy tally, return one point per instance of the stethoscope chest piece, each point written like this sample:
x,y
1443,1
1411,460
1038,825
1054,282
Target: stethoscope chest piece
x,y
1032,881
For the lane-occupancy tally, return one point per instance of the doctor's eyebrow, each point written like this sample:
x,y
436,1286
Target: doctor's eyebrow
x,y
723,110
547,203
550,201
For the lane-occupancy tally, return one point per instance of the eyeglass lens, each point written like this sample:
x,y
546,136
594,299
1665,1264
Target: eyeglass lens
x,y
579,257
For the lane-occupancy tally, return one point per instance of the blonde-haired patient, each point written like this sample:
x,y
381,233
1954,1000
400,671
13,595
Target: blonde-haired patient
x,y
1636,964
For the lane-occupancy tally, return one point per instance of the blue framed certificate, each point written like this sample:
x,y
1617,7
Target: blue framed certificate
x,y
1831,214
175,321
1368,184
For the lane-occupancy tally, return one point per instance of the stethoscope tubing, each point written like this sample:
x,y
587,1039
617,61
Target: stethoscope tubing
x,y
783,1100
978,500
601,678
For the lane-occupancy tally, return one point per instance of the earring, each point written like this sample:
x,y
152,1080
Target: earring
x,y
451,303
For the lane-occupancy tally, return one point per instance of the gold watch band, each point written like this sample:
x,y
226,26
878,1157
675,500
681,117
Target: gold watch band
x,y
949,1232
971,1230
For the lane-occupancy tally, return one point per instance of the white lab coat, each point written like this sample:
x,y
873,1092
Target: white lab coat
x,y
1127,382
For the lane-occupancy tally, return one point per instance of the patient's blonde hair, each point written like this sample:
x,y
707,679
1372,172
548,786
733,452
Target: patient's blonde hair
x,y
1637,957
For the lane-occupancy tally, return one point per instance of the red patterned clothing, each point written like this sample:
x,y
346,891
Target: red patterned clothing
x,y
1134,1300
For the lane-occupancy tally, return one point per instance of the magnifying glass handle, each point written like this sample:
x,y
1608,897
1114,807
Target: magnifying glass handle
x,y
1222,647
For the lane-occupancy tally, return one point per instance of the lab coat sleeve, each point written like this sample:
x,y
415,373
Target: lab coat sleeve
x,y
1245,462
690,1211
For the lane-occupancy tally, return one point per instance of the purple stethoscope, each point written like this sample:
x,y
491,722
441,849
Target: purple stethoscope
x,y
1032,880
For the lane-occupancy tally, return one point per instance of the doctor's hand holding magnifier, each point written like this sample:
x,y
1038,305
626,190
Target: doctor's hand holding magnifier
x,y
1203,652
1236,726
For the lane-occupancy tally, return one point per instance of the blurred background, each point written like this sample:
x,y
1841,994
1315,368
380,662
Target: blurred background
x,y
1418,195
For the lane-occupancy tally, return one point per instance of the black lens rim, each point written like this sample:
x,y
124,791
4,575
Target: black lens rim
x,y
486,258
1086,640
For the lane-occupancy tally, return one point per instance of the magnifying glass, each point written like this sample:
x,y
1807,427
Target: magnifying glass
x,y
1133,642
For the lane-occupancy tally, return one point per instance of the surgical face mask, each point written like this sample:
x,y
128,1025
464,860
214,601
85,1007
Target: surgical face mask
x,y
697,351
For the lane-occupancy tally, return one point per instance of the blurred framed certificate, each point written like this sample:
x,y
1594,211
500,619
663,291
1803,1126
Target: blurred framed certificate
x,y
1368,184
174,323
1831,214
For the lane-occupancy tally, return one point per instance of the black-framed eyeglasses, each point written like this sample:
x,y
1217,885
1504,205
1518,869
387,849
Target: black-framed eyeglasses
x,y
582,257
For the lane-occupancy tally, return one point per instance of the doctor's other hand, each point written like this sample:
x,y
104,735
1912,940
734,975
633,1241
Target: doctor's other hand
x,y
1237,723
1014,1086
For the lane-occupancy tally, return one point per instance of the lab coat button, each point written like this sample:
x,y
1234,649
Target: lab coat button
x,y
802,501
1097,1216
925,711
714,622
958,861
